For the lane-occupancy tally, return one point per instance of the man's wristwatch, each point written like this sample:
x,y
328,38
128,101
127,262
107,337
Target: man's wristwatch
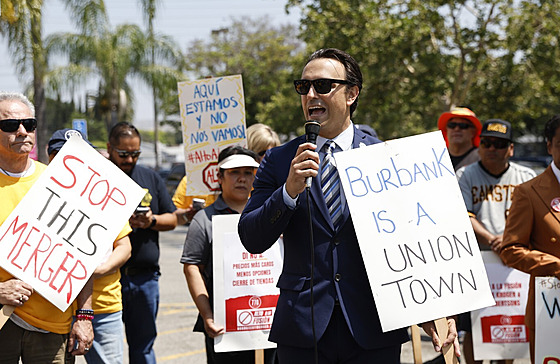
x,y
153,223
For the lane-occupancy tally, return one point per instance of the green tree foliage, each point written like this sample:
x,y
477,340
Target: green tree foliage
x,y
422,57
21,24
263,54
149,8
59,114
533,40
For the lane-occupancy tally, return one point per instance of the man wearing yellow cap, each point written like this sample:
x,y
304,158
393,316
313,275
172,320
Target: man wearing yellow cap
x,y
461,131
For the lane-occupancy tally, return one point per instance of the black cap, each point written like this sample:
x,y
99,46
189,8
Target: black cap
x,y
60,137
497,128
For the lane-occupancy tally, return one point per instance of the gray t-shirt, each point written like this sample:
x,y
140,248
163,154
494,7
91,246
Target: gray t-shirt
x,y
198,245
488,197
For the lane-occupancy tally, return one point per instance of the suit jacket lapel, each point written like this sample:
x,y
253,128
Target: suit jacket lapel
x,y
548,190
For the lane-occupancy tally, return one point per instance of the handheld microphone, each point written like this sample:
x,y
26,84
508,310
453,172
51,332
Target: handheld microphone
x,y
311,131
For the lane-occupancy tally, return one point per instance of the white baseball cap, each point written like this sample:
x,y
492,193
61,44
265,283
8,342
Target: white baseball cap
x,y
237,161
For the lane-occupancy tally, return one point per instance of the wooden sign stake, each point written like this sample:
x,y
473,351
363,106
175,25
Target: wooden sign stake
x,y
259,356
5,314
448,351
416,344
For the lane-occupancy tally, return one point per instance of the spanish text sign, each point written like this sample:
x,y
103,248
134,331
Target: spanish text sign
x,y
212,118
61,230
547,320
499,331
418,246
245,292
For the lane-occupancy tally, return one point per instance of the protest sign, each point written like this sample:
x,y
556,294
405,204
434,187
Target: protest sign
x,y
499,331
416,239
64,226
547,320
212,118
245,292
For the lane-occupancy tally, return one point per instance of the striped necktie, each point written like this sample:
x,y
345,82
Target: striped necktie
x,y
330,184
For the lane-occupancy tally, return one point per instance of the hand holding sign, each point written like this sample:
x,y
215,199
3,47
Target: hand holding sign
x,y
13,293
444,328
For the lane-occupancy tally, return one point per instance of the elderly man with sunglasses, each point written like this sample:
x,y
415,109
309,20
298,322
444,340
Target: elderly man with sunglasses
x,y
461,129
37,331
140,274
487,188
332,318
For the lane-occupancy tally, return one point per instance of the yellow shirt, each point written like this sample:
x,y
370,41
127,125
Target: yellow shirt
x,y
182,201
107,297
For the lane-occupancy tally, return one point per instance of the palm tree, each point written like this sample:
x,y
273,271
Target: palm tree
x,y
112,56
149,12
21,23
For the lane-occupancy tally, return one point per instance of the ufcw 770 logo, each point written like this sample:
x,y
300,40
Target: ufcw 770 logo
x,y
250,313
256,318
504,329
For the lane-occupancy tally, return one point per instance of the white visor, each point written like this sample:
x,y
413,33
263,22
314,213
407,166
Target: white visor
x,y
237,161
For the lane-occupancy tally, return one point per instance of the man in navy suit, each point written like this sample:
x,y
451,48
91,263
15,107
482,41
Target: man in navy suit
x,y
346,323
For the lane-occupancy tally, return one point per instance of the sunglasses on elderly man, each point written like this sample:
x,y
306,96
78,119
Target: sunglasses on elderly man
x,y
126,154
462,126
11,125
321,85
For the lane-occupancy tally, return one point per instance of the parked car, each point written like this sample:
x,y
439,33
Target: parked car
x,y
536,163
163,173
173,176
532,153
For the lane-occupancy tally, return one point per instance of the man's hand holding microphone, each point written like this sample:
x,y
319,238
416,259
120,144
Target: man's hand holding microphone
x,y
305,164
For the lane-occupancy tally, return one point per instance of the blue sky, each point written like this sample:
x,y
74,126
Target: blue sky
x,y
185,20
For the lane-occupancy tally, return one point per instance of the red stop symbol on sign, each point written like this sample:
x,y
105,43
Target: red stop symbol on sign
x,y
210,176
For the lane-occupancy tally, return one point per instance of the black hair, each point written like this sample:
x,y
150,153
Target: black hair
x,y
122,129
551,126
353,73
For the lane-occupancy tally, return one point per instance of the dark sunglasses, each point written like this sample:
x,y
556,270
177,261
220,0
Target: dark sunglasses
x,y
497,143
11,125
462,126
126,154
262,153
321,85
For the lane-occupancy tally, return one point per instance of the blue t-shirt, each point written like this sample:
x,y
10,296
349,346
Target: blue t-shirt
x,y
145,242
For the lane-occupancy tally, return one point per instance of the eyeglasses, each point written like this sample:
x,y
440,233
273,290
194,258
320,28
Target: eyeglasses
x,y
126,154
262,153
497,143
462,126
321,85
11,125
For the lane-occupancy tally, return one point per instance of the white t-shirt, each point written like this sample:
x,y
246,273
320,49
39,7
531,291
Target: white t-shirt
x,y
488,197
